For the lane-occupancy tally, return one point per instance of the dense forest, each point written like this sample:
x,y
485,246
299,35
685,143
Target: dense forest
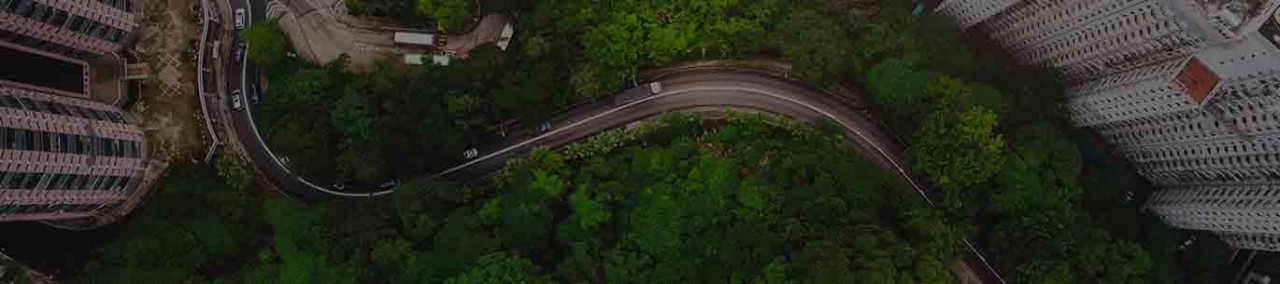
x,y
745,200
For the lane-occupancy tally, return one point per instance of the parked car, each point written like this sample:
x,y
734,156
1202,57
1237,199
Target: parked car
x,y
471,153
239,19
235,100
545,127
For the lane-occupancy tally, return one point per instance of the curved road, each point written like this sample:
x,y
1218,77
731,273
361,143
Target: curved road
x,y
699,88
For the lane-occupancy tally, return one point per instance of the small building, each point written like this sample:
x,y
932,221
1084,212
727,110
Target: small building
x,y
415,38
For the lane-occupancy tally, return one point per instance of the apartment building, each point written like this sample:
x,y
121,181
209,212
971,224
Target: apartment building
x,y
64,158
76,28
1187,90
67,156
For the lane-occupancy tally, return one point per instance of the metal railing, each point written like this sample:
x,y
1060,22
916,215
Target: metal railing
x,y
200,81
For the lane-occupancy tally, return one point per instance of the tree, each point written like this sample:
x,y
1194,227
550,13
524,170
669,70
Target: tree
x,y
186,228
893,35
815,44
353,117
501,268
1041,171
451,15
897,83
955,150
267,45
234,172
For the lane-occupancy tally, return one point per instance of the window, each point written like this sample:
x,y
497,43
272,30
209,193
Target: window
x,y
117,150
31,181
60,109
26,104
76,111
105,182
40,141
113,34
58,18
63,144
83,145
60,181
36,11
109,183
8,138
9,101
44,181
91,182
78,182
116,117
15,182
22,139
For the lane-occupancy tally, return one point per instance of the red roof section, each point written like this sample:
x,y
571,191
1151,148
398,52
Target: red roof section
x,y
1196,80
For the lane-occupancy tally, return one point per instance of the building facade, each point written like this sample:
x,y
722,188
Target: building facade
x,y
64,158
1187,90
76,28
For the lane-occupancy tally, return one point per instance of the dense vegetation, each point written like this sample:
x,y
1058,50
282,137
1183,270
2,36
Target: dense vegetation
x,y
199,225
399,122
676,205
744,201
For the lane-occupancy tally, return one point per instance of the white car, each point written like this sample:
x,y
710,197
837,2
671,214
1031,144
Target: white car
x,y
471,153
239,19
235,100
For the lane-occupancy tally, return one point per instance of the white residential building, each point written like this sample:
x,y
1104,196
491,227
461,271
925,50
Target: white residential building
x,y
1187,90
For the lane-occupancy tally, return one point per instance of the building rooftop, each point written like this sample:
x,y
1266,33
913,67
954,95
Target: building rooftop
x,y
1197,81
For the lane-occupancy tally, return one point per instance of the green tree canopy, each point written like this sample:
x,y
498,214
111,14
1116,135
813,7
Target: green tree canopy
x,y
956,150
896,82
816,45
266,43
452,15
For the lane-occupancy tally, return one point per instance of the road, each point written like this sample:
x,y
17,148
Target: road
x,y
698,88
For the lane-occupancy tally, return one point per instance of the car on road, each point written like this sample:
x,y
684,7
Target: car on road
x,y
240,18
545,127
390,184
655,87
235,100
239,51
471,153
253,94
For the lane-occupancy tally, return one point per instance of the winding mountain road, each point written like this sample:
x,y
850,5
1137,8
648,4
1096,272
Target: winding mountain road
x,y
703,88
